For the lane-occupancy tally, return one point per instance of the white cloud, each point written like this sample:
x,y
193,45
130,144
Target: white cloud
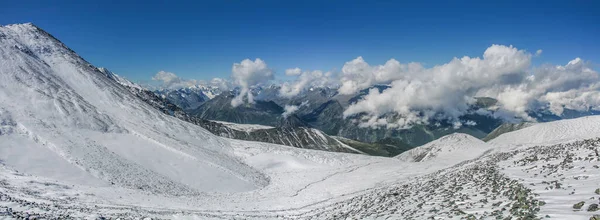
x,y
246,74
358,74
538,53
446,91
470,123
418,94
306,79
220,83
516,100
166,77
289,110
293,72
574,86
456,124
171,81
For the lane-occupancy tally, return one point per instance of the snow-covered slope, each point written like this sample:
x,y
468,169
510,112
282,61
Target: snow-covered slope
x,y
71,115
119,79
552,132
454,147
244,127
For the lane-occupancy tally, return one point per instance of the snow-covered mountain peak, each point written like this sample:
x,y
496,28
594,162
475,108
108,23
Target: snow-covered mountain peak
x,y
459,138
22,25
453,147
37,40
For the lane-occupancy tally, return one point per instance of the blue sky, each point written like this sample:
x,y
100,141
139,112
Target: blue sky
x,y
202,39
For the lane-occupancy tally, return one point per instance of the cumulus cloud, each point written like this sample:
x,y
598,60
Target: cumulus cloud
x,y
220,83
447,91
417,95
304,80
289,110
246,74
516,100
470,123
293,72
358,74
169,80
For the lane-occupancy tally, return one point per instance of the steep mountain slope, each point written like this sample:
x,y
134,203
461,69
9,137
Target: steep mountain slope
x,y
119,79
454,147
327,117
57,103
300,137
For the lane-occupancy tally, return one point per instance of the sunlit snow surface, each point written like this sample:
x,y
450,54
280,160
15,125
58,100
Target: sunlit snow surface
x,y
244,127
75,143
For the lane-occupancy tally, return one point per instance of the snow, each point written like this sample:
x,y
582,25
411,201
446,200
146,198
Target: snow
x,y
74,143
562,175
80,112
210,94
552,132
455,148
244,127
119,79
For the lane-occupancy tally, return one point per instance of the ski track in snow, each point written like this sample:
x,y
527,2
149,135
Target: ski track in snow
x,y
329,176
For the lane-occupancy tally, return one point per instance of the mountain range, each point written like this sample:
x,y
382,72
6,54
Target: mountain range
x,y
322,108
288,131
